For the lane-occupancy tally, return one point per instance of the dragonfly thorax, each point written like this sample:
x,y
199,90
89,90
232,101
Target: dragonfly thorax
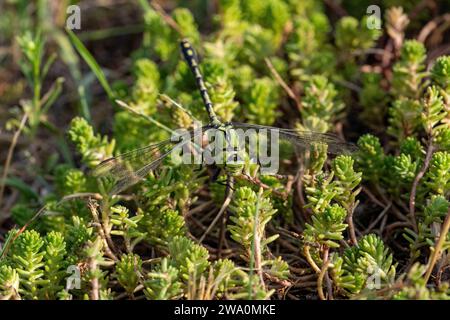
x,y
226,149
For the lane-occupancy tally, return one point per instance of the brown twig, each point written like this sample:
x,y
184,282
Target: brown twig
x,y
260,184
258,257
306,212
281,282
322,273
373,198
420,174
168,19
222,233
351,225
108,251
380,216
282,83
94,281
438,248
395,225
431,25
398,214
224,207
200,208
138,288
10,154
336,7
329,286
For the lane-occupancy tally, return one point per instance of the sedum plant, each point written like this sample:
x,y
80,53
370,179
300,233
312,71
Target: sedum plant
x,y
364,267
9,283
368,224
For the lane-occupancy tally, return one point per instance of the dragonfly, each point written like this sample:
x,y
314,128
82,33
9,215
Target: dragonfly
x,y
130,168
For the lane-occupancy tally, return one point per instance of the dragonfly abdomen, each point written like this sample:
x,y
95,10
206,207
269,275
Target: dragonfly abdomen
x,y
191,59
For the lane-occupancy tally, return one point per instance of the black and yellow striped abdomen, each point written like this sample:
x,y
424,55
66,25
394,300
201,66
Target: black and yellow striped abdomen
x,y
191,59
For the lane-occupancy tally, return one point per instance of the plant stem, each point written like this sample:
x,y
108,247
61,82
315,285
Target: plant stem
x,y
9,156
257,239
438,248
351,226
168,19
322,273
283,84
94,280
226,203
420,174
310,259
101,231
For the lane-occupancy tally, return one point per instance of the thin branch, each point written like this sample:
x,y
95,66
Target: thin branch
x,y
431,25
274,279
223,225
395,225
420,174
259,183
351,225
258,257
101,231
282,83
373,198
305,212
322,273
349,85
10,154
168,19
380,216
222,209
94,281
256,243
336,7
199,208
310,259
125,294
395,210
329,286
438,248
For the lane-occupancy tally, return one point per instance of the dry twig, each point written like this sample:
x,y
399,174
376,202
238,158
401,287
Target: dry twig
x,y
10,154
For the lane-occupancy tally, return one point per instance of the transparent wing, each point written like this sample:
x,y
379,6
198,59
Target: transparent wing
x,y
131,167
304,139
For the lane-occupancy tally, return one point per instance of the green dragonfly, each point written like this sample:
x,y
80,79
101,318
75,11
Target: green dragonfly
x,y
129,168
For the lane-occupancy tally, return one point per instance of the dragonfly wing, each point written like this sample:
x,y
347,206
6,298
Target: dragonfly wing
x,y
304,139
121,165
135,176
131,167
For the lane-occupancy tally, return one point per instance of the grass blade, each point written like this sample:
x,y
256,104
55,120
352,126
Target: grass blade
x,y
90,60
70,58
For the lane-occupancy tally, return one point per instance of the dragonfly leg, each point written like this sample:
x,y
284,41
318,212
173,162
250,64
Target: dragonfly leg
x,y
201,165
230,186
223,225
222,183
216,174
228,196
258,162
